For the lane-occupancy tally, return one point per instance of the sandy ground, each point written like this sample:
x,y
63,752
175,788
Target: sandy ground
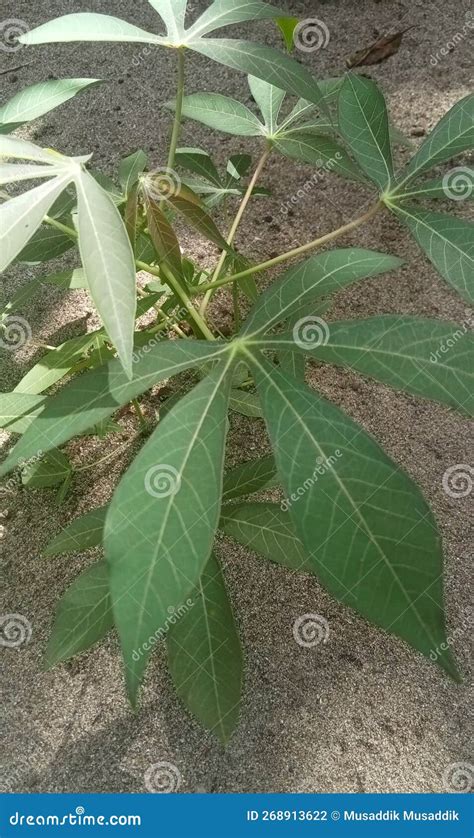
x,y
361,712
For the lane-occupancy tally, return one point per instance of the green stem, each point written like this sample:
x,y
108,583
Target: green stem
x,y
141,417
297,251
199,321
177,115
69,231
235,224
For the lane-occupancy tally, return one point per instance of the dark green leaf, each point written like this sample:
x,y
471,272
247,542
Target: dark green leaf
x,y
81,534
363,123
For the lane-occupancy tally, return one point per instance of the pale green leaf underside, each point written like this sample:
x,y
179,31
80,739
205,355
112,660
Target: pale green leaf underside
x,y
109,264
367,529
429,358
55,365
363,123
163,516
205,657
222,114
39,99
87,26
453,134
266,529
17,410
316,277
447,241
226,12
94,396
269,100
84,615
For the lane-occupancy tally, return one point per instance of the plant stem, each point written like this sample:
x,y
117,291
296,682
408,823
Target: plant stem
x,y
235,224
297,251
199,321
69,231
177,116
139,412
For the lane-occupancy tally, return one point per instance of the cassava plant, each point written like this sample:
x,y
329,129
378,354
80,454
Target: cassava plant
x,y
363,527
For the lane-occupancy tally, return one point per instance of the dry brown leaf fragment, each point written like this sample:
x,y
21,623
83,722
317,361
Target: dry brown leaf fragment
x,y
379,51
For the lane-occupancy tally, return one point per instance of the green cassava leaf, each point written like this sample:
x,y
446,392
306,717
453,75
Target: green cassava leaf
x,y
204,655
34,101
318,276
453,134
287,26
199,162
226,12
447,241
265,528
367,528
88,27
163,236
130,169
162,519
109,264
189,205
269,100
363,123
17,410
81,534
46,471
249,477
247,404
55,364
456,185
21,216
319,151
264,62
67,280
221,113
84,615
429,358
94,396
172,13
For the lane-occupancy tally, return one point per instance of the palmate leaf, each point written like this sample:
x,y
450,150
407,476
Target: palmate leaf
x,y
249,477
363,123
204,655
163,516
370,535
269,100
94,396
84,615
18,149
266,529
55,364
261,61
49,470
429,358
442,188
316,277
39,99
447,241
200,163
